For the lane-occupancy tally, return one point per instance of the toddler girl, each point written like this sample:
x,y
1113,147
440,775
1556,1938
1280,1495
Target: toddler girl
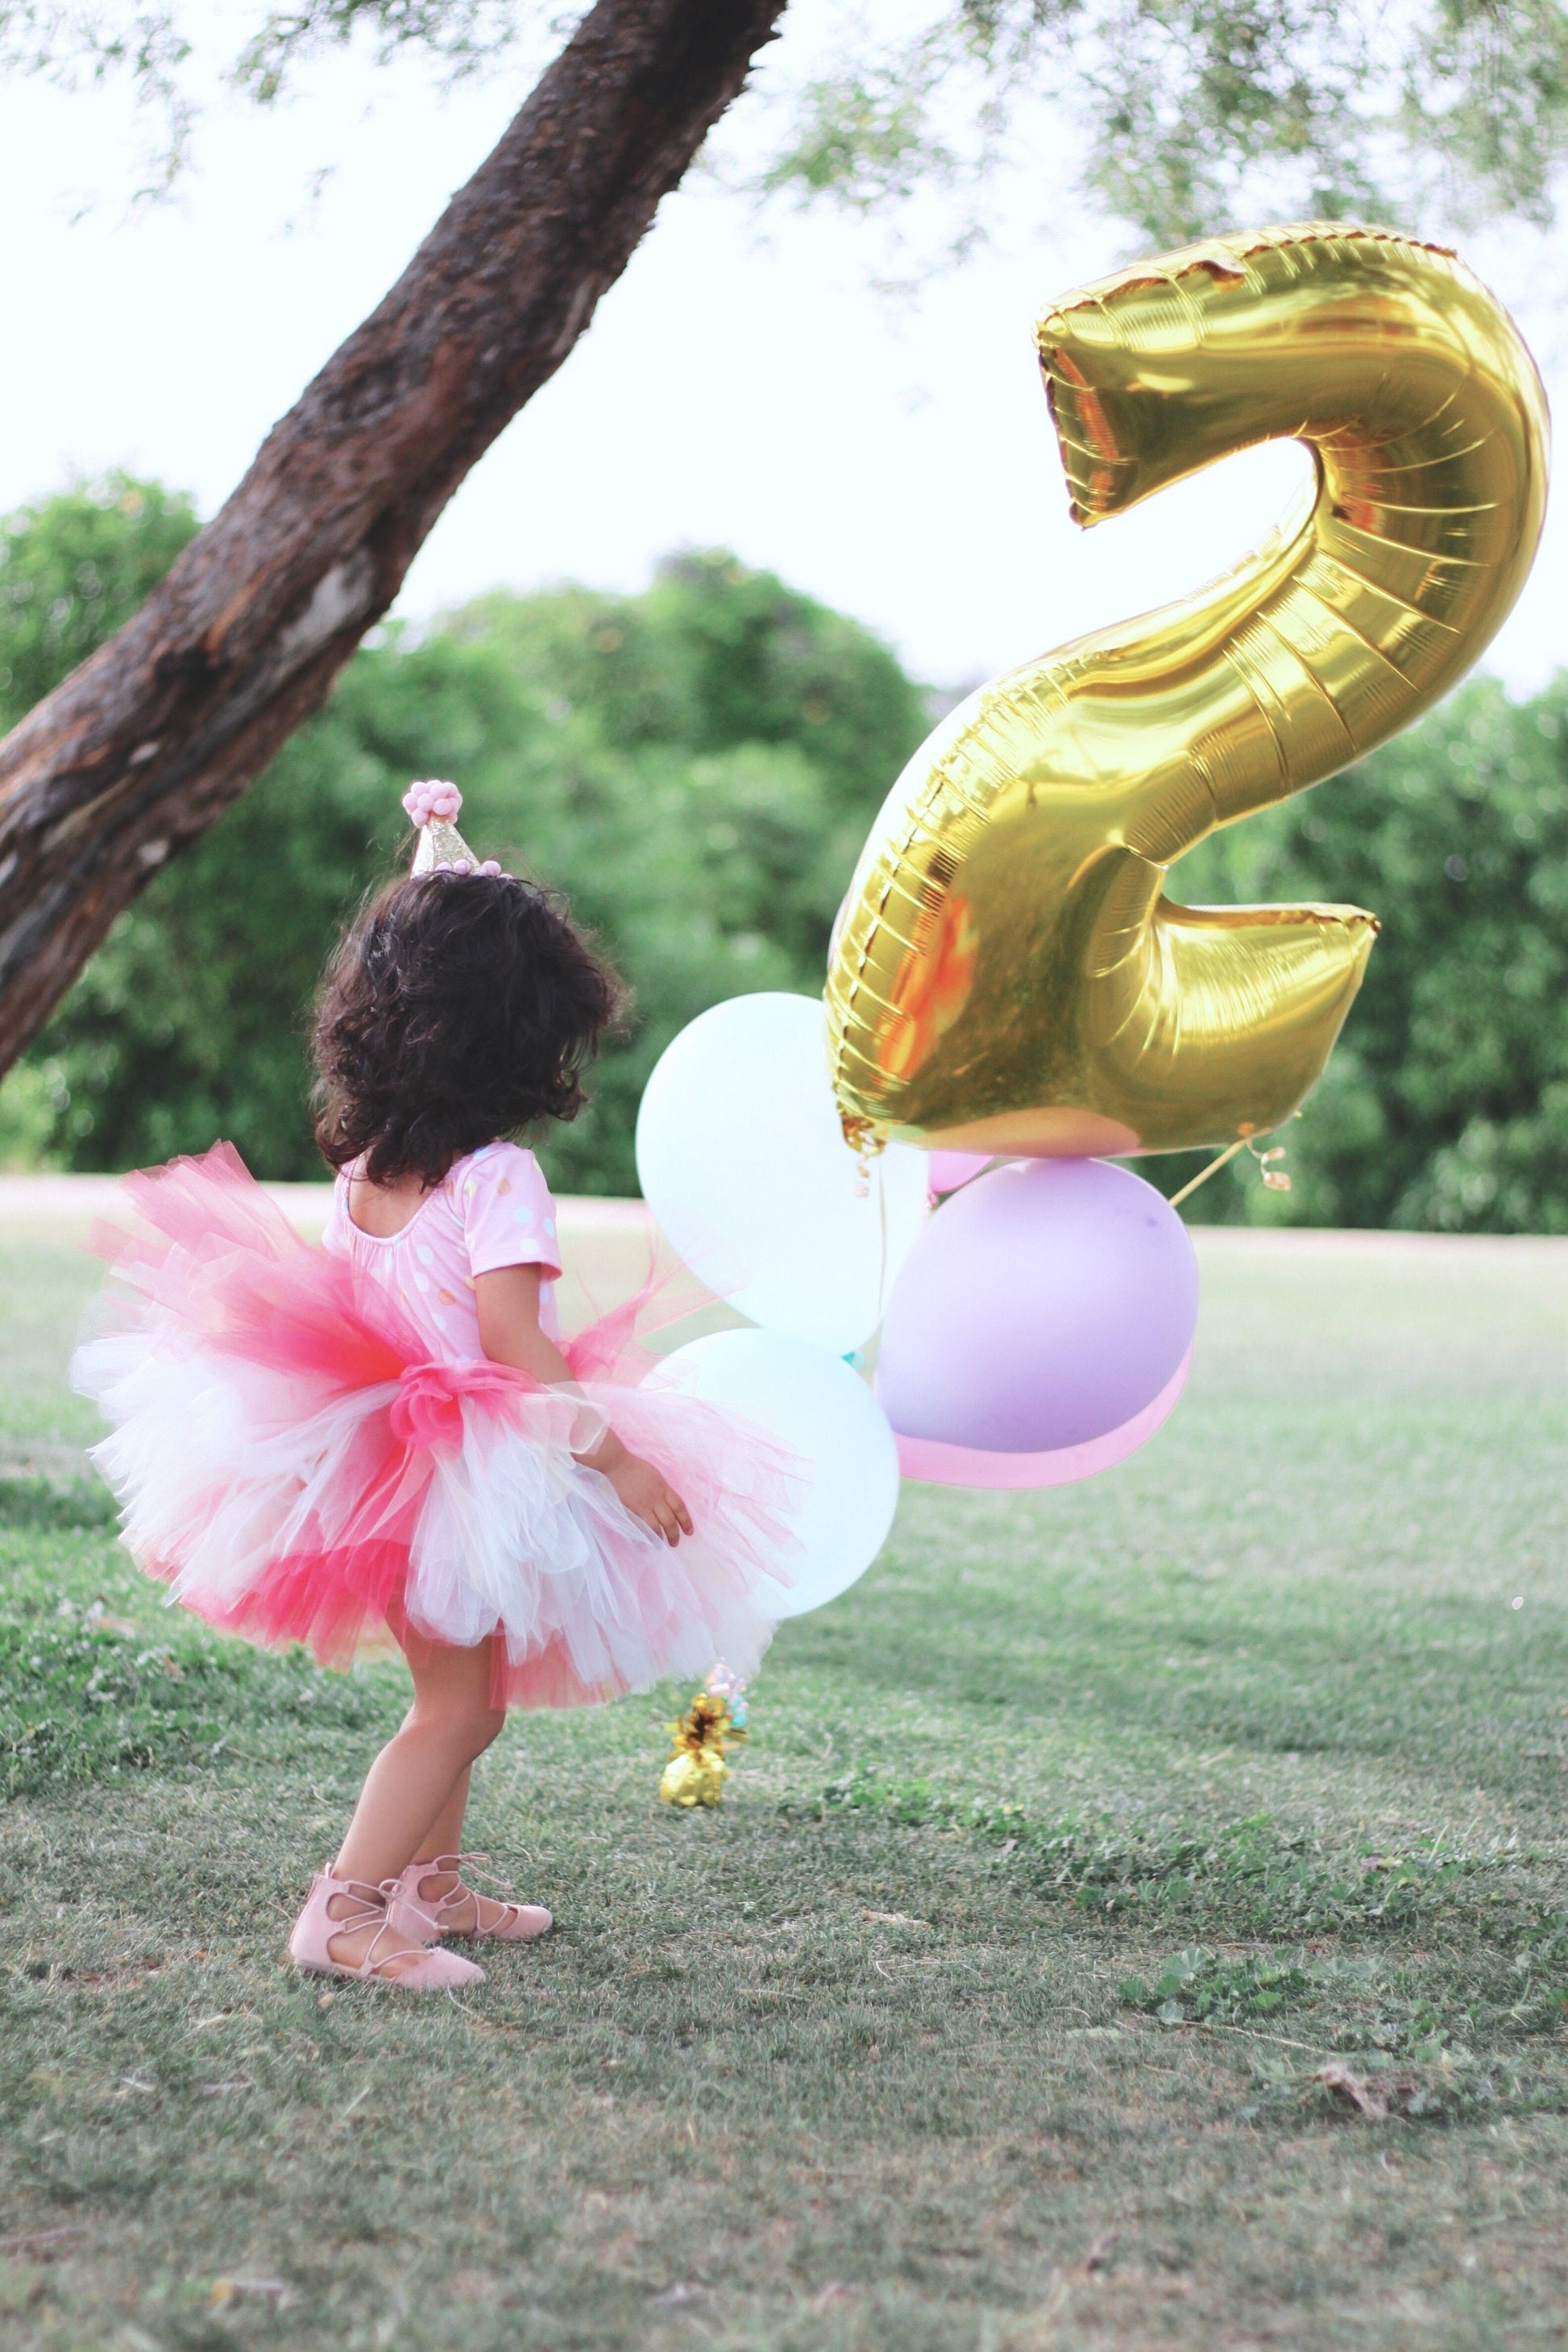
x,y
312,1445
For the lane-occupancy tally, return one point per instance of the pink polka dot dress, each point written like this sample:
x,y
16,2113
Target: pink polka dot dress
x,y
309,1443
493,1210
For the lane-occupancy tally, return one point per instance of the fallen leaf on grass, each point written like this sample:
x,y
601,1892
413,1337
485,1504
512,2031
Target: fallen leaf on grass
x,y
1363,2096
895,1919
225,2291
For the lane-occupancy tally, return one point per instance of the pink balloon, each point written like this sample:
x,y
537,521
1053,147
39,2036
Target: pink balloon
x,y
937,1465
950,1170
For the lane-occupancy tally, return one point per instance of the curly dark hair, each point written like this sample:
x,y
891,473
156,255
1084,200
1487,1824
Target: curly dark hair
x,y
456,1009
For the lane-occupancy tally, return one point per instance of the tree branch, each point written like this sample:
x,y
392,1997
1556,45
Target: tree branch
x,y
149,741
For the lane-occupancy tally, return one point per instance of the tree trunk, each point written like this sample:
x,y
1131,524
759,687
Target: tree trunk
x,y
149,741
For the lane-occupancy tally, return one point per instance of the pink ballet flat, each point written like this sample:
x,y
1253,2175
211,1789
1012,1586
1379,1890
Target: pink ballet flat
x,y
310,1939
424,1917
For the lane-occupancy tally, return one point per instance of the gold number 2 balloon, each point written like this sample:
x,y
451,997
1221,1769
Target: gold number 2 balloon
x,y
1007,974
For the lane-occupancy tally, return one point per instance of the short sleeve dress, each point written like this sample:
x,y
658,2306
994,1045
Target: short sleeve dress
x,y
492,1209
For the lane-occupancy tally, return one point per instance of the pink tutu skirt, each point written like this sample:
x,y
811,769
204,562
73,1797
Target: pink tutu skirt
x,y
291,1460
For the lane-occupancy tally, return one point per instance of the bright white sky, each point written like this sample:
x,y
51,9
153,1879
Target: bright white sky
x,y
737,388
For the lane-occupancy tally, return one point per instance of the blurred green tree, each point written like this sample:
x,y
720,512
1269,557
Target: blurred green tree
x,y
1183,116
1445,1104
1195,115
695,766
72,568
1189,115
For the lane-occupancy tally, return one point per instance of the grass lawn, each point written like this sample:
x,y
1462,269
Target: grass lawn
x,y
1141,1918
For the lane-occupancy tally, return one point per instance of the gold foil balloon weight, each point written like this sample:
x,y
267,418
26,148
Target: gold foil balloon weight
x,y
433,806
701,1741
1008,974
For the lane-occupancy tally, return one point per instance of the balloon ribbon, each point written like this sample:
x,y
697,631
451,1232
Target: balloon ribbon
x,y
1275,1178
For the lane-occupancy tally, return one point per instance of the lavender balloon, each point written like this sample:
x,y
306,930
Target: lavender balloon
x,y
1042,1309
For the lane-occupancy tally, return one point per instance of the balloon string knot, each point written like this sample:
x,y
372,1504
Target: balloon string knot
x,y
864,1137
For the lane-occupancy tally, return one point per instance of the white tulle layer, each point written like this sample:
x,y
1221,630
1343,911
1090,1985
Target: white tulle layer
x,y
274,1501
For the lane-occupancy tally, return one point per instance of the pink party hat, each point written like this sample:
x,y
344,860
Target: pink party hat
x,y
433,805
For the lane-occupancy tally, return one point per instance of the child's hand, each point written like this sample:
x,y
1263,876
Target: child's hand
x,y
650,1496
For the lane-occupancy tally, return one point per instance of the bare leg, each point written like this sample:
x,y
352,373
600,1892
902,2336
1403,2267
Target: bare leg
x,y
446,1838
413,1784
445,1835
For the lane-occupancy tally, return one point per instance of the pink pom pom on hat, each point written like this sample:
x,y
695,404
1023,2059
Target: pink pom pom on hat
x,y
433,805
432,799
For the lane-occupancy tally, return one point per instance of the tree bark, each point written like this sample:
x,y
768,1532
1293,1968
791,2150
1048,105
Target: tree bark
x,y
149,741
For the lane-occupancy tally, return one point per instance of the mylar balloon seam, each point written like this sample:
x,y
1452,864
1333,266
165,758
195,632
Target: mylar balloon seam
x,y
1007,974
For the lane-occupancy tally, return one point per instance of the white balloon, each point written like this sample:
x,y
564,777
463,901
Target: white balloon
x,y
829,1420
743,1163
